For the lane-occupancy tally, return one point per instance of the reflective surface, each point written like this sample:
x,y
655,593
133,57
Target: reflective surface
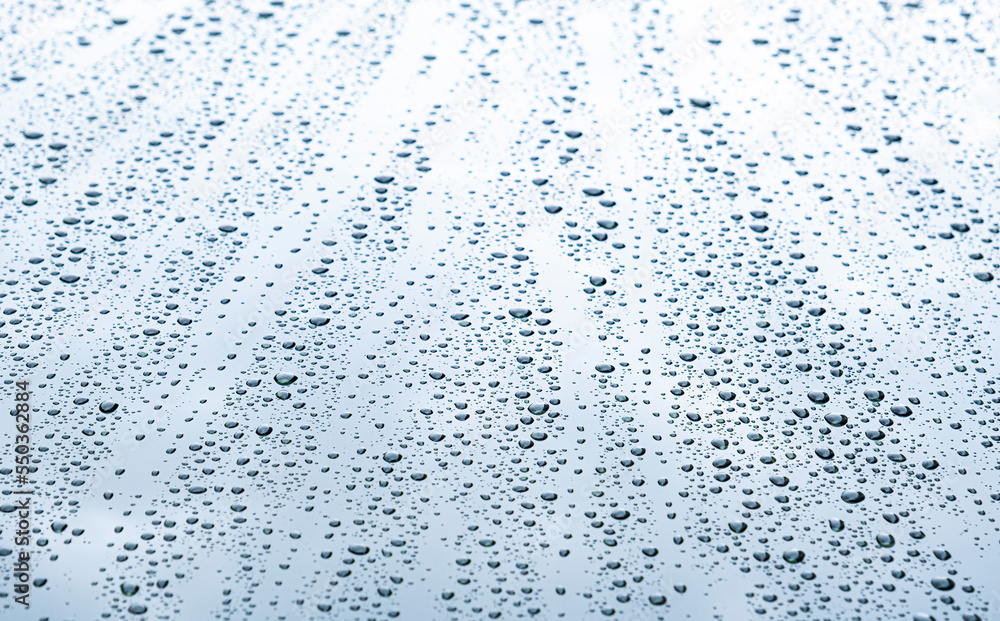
x,y
446,311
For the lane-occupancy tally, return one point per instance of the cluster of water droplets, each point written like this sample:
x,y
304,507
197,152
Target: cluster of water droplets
x,y
516,310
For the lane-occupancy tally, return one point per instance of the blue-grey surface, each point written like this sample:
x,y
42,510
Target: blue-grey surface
x,y
443,310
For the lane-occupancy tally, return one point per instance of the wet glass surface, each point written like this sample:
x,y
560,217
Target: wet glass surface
x,y
441,310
